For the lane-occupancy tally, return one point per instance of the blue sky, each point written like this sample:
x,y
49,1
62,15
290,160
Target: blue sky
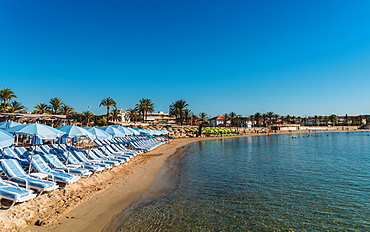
x,y
290,57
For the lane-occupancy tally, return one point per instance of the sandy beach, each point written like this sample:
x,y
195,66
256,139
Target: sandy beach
x,y
91,203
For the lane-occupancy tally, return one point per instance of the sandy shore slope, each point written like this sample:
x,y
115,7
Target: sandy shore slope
x,y
91,203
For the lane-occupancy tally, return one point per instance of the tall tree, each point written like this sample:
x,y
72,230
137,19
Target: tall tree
x,y
7,94
177,109
145,106
87,116
55,105
257,116
4,106
233,116
226,118
115,115
133,114
17,107
202,116
41,108
66,109
108,102
264,117
270,115
333,119
187,114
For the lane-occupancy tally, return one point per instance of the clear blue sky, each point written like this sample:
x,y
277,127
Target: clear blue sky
x,y
290,57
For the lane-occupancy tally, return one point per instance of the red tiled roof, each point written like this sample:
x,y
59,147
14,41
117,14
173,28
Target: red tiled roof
x,y
217,118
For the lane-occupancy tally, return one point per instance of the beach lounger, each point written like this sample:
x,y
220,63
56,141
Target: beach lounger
x,y
81,157
91,155
109,152
10,153
15,173
70,159
121,147
55,163
11,193
100,154
59,176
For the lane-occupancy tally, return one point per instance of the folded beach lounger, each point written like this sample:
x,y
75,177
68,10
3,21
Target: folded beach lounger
x,y
15,173
11,193
59,176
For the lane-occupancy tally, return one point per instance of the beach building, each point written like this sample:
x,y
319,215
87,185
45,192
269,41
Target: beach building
x,y
161,118
246,123
285,127
218,120
153,118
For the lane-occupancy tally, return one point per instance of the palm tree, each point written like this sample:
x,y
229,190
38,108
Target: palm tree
x,y
145,106
226,118
55,104
41,108
333,118
187,114
257,116
202,116
233,117
193,118
4,107
133,114
177,109
6,94
17,107
116,115
288,118
270,115
108,102
87,116
66,109
264,117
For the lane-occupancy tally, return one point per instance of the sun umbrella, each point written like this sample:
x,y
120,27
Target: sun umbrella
x,y
98,133
38,131
42,131
6,139
124,130
75,132
9,124
144,131
112,131
135,132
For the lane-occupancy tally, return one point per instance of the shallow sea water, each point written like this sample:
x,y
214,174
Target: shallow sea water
x,y
260,183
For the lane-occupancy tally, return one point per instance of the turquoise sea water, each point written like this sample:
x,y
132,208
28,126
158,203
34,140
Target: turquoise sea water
x,y
260,183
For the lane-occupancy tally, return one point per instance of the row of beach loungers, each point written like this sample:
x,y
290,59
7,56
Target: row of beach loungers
x,y
27,173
